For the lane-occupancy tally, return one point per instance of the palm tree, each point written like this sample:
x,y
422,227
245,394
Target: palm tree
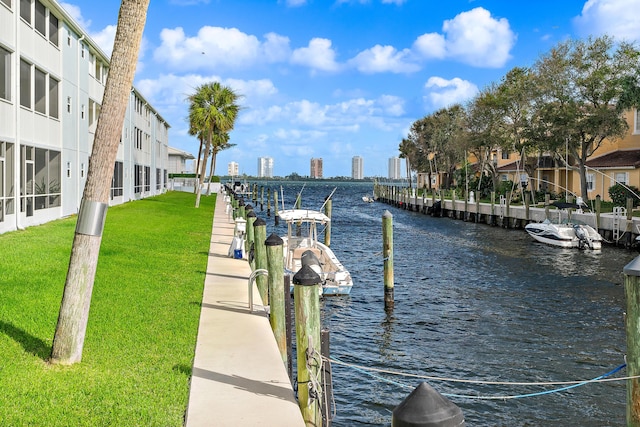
x,y
220,142
213,110
68,341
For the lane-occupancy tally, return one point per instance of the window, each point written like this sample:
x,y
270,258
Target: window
x,y
117,181
68,104
637,124
41,18
621,178
5,74
590,181
98,70
6,179
53,97
7,2
137,179
158,179
25,10
25,84
40,87
147,178
39,179
82,111
53,29
505,155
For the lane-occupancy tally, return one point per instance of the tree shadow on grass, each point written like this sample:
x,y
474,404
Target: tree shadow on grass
x,y
31,344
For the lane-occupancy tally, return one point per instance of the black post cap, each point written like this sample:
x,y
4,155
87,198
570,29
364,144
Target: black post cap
x,y
306,277
273,239
425,407
259,222
251,214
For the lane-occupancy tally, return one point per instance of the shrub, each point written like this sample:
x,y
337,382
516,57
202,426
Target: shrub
x,y
619,195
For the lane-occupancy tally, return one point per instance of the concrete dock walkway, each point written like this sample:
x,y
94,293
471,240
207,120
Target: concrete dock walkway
x,y
238,378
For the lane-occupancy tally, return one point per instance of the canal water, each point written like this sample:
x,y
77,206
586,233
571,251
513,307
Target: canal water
x,y
472,302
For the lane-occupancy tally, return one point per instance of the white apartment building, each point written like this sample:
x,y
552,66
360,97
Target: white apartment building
x,y
232,169
52,78
265,167
357,169
395,168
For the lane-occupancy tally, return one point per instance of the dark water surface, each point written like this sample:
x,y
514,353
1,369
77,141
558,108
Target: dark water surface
x,y
471,302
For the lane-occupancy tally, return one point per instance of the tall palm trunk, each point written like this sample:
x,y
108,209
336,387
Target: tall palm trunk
x,y
203,171
68,341
195,189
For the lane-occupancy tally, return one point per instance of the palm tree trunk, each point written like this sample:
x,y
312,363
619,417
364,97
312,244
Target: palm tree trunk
x,y
68,341
212,168
198,163
203,171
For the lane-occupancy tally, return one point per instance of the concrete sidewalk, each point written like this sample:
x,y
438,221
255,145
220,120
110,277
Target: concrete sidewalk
x,y
238,378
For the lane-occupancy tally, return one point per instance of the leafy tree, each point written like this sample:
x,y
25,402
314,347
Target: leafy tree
x,y
579,84
620,193
68,341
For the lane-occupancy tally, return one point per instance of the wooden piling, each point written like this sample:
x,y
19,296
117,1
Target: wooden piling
x,y
261,198
249,241
598,209
527,203
327,381
275,207
275,277
306,284
260,253
632,323
387,256
328,206
268,203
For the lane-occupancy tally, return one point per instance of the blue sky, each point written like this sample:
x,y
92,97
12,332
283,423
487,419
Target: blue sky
x,y
339,78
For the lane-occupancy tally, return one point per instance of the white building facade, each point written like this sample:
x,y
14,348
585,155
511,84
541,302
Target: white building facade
x,y
52,78
265,167
357,169
395,168
232,169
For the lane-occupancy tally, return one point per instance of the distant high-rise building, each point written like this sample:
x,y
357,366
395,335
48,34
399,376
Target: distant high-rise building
x,y
316,168
357,170
265,167
394,168
232,169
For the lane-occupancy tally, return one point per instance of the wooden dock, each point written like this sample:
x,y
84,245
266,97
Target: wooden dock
x,y
615,229
238,378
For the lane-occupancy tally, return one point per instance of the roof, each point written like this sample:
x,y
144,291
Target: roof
x,y
511,167
303,215
175,152
616,159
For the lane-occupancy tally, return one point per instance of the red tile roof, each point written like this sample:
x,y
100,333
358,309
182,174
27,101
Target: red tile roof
x,y
616,159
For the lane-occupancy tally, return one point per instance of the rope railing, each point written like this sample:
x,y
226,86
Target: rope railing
x,y
567,385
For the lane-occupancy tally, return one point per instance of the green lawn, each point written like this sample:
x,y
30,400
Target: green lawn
x,y
143,322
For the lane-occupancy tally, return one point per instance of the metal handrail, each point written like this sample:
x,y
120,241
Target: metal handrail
x,y
252,278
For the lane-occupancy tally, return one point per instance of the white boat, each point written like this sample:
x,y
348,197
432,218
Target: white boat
x,y
367,199
565,233
301,247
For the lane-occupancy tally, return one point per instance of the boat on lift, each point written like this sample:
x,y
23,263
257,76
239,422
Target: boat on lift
x,y
302,247
565,232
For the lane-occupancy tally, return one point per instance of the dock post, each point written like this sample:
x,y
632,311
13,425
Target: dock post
x,y
425,407
527,203
261,198
260,253
598,209
275,277
632,325
629,227
327,231
306,284
275,206
492,221
507,213
249,241
268,203
327,381
387,256
241,210
547,200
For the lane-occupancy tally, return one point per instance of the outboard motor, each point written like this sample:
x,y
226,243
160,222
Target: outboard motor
x,y
310,259
582,236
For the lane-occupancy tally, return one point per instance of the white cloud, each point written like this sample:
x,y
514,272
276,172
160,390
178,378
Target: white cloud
x,y
444,93
431,45
613,17
76,14
215,47
380,59
296,3
318,55
478,39
105,38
